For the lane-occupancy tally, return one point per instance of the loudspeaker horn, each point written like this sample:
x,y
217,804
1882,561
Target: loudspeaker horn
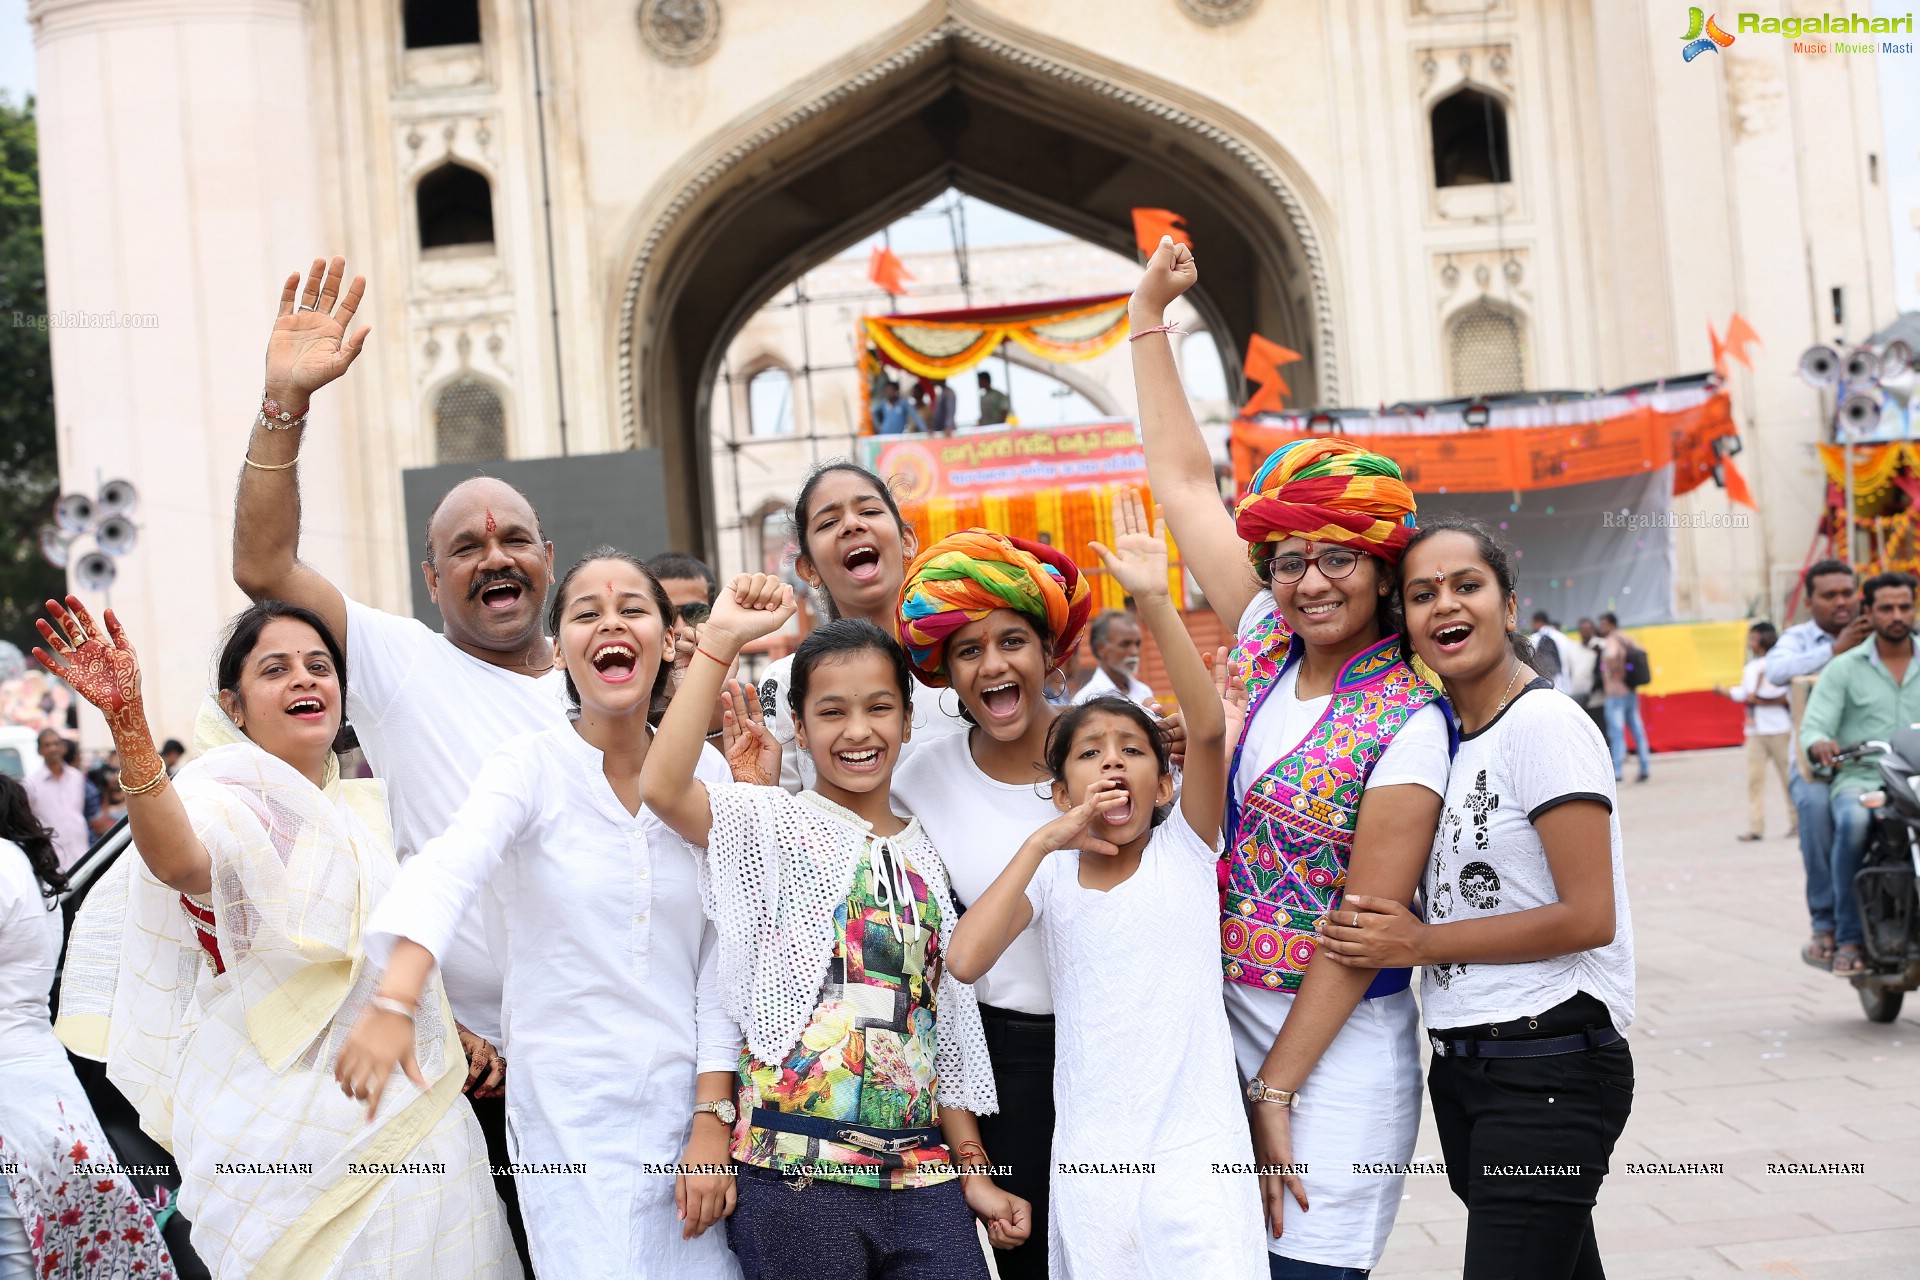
x,y
1860,413
54,544
116,535
1819,366
118,498
1862,366
75,513
1895,358
95,571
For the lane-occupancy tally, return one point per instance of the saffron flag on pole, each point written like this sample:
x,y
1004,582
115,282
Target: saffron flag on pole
x,y
1740,336
1262,367
885,269
1737,490
1150,224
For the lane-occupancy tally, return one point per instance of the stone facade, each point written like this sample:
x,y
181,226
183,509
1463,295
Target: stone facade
x,y
651,189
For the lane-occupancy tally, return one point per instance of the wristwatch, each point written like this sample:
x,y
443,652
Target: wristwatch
x,y
722,1108
1257,1091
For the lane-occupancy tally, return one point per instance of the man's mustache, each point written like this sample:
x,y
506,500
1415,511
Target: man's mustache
x,y
489,578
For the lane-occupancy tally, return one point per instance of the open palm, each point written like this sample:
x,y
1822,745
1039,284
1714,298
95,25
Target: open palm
x,y
310,346
100,666
1138,558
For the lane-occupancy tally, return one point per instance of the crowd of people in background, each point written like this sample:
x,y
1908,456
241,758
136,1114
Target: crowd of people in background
x,y
928,405
621,965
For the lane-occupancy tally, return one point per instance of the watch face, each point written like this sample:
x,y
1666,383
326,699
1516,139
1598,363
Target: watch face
x,y
1254,1089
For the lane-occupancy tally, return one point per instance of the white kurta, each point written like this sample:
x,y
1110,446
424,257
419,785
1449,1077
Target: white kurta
x,y
610,1000
1145,1074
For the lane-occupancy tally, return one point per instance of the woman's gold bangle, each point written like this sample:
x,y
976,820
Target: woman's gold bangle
x,y
276,466
144,787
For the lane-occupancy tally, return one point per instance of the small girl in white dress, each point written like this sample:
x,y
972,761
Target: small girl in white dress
x,y
1153,1166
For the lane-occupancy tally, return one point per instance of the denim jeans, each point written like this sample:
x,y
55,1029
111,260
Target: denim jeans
x,y
1815,807
1849,847
1623,711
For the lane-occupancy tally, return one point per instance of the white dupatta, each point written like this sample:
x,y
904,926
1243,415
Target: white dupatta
x,y
237,1067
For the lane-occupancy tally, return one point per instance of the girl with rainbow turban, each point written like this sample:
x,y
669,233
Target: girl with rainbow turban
x,y
1335,786
994,618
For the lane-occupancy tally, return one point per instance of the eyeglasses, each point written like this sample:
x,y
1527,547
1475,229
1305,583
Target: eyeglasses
x,y
694,612
1291,567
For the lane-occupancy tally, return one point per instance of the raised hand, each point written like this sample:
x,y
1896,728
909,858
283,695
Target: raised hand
x,y
1171,271
310,346
751,606
101,667
1232,689
1074,828
752,752
1138,558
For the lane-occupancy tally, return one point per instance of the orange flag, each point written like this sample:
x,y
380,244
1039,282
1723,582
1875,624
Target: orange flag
x,y
1740,336
885,269
1737,490
1150,224
1264,359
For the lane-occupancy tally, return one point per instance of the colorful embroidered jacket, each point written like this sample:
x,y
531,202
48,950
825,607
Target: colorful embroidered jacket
x,y
1290,835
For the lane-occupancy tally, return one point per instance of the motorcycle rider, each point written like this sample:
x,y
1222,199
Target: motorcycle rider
x,y
1867,692
1804,650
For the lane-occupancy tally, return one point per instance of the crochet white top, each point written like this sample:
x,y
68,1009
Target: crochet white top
x,y
775,868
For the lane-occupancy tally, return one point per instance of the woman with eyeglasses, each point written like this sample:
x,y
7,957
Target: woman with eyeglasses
x,y
1334,787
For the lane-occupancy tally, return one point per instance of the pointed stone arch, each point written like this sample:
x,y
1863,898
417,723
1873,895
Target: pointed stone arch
x,y
893,126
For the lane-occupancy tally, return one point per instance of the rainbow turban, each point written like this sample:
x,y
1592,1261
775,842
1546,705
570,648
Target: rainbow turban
x,y
967,575
1328,490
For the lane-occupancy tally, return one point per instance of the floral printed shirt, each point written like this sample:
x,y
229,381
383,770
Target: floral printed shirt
x,y
867,1053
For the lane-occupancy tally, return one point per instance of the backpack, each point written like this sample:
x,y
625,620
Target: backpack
x,y
1638,670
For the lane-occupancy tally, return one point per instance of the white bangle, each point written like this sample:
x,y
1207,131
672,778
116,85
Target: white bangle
x,y
390,1005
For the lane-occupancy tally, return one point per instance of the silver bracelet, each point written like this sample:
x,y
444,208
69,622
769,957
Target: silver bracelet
x,y
274,418
390,1005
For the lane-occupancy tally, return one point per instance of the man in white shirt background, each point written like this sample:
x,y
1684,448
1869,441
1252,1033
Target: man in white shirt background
x,y
1115,637
1565,658
1837,624
1769,728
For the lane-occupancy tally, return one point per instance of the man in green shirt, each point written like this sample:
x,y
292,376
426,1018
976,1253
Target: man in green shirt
x,y
1865,693
994,405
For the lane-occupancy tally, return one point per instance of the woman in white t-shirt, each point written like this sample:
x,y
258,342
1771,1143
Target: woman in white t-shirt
x,y
1527,950
1334,789
993,619
854,549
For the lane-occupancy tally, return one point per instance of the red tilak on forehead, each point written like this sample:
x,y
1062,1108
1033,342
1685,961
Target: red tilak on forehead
x,y
491,526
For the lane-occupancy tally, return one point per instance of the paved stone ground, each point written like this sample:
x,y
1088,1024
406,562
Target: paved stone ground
x,y
1742,1055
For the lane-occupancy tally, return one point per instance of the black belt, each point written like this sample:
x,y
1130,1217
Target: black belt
x,y
1543,1047
890,1142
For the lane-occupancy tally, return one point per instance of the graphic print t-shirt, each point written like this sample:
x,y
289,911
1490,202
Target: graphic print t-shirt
x,y
1543,751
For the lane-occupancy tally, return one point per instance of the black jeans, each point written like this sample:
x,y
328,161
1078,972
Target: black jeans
x,y
1527,1141
1021,1135
492,1115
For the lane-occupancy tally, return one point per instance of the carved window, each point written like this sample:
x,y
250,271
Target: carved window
x,y
469,423
455,207
1486,353
1469,140
770,402
432,23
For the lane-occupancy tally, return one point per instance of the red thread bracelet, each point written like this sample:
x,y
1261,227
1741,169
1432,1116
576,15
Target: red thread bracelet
x,y
1159,328
722,661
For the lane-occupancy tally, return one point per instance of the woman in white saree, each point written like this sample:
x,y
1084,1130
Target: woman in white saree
x,y
218,974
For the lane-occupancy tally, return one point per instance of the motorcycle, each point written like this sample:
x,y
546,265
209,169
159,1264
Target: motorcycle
x,y
1887,886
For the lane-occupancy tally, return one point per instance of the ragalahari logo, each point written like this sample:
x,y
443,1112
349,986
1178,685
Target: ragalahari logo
x,y
1703,35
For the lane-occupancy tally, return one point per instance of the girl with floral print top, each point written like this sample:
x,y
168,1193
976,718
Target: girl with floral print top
x,y
864,1062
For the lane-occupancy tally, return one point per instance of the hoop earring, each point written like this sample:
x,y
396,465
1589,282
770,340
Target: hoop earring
x,y
1054,672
